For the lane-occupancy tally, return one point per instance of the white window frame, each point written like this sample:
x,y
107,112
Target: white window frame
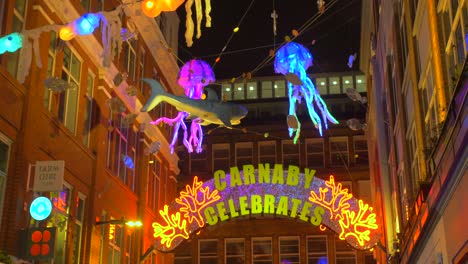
x,y
51,56
233,240
66,94
358,151
131,52
261,255
321,154
141,68
4,174
22,19
298,254
88,102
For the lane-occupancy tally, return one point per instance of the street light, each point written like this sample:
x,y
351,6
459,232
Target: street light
x,y
120,222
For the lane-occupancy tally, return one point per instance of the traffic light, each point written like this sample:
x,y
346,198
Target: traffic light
x,y
40,243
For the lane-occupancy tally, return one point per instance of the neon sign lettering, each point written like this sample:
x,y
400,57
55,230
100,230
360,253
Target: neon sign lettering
x,y
261,190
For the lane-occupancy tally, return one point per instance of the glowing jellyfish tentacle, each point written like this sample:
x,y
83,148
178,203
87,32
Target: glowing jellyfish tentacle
x,y
179,120
196,134
184,139
309,92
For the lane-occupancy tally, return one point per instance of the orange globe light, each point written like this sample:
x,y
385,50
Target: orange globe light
x,y
153,8
66,33
150,8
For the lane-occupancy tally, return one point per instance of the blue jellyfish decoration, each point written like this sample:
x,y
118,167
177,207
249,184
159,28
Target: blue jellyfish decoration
x,y
292,60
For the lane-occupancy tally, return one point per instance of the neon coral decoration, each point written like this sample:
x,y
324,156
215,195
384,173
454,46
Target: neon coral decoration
x,y
193,76
175,227
356,224
293,59
267,190
195,199
334,198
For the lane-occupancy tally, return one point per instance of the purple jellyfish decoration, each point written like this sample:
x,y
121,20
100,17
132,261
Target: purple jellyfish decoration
x,y
193,76
292,60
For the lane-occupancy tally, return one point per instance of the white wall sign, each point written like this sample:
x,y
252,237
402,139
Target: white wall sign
x,y
48,176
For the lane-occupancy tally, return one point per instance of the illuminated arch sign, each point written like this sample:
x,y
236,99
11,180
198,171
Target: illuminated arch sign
x,y
266,190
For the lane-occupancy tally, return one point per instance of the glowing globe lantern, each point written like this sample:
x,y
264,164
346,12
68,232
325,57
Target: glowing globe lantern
x,y
11,42
153,8
66,33
86,24
40,208
193,76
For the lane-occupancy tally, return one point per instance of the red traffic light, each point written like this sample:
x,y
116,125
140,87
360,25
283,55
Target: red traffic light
x,y
41,242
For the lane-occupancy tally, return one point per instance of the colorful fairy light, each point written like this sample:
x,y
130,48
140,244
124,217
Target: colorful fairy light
x,y
11,42
66,33
293,59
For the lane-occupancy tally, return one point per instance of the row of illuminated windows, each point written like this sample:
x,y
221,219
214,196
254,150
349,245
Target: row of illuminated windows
x,y
319,153
277,88
262,251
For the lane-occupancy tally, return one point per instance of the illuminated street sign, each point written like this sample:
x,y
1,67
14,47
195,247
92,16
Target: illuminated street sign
x,y
40,208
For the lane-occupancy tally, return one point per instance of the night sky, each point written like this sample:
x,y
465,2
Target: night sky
x,y
336,34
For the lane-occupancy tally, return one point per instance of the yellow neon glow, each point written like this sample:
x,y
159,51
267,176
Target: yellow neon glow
x,y
323,228
195,199
333,198
111,231
358,225
175,227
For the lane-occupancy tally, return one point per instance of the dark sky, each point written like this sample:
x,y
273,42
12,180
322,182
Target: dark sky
x,y
336,34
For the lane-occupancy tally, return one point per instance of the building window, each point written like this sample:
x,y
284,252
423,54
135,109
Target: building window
x,y
198,161
262,252
317,250
290,153
244,153
5,144
344,253
289,250
227,92
239,91
412,148
130,57
428,100
251,90
86,5
141,68
234,250
68,100
321,84
221,157
60,216
115,244
267,89
279,88
339,152
361,83
335,87
360,150
78,228
19,21
267,152
88,111
183,254
314,152
347,82
122,151
154,183
208,251
51,58
128,248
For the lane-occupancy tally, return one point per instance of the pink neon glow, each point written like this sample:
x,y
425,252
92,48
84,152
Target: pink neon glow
x,y
193,76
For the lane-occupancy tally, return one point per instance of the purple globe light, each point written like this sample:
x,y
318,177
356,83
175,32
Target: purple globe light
x,y
193,76
292,53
